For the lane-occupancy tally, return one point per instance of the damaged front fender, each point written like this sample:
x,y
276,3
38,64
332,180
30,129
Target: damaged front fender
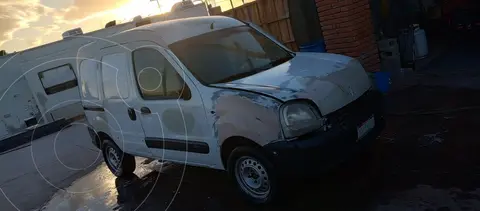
x,y
246,114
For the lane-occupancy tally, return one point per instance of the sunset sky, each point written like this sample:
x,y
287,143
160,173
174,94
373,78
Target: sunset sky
x,y
28,23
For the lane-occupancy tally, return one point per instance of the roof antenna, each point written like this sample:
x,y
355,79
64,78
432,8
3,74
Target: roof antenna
x,y
211,25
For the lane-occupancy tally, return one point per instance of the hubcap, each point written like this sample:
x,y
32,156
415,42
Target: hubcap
x,y
113,158
252,177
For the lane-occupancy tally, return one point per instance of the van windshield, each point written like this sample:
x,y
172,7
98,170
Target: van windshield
x,y
229,54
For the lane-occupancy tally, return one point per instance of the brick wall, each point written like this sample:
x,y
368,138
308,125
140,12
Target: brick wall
x,y
348,30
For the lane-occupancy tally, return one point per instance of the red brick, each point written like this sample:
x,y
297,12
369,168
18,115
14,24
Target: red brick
x,y
336,15
340,35
342,45
359,4
327,28
337,30
373,59
372,67
348,29
341,50
323,8
326,2
359,12
342,40
334,21
329,12
330,31
342,3
353,54
365,46
355,22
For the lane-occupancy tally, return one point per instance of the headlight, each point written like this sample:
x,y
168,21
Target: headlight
x,y
299,118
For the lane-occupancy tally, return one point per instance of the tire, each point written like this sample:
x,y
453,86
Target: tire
x,y
253,174
120,164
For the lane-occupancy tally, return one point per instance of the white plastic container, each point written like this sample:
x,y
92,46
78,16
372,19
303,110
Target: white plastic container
x,y
421,45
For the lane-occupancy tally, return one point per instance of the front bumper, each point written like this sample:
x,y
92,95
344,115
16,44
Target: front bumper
x,y
320,151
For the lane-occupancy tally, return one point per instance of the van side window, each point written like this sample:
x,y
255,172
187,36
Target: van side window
x,y
115,76
88,79
156,77
58,79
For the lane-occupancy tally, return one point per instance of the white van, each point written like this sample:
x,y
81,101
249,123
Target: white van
x,y
219,93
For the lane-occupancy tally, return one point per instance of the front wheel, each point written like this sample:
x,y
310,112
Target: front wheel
x,y
254,175
120,163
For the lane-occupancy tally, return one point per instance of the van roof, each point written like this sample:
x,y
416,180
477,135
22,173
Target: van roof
x,y
172,31
162,33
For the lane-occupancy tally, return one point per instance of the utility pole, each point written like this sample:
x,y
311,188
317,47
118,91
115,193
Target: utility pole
x,y
158,3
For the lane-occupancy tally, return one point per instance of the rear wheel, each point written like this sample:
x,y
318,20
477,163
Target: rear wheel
x,y
254,175
120,163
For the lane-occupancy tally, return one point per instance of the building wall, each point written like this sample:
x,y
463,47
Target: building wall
x,y
347,28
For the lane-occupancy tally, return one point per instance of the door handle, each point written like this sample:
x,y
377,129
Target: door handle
x,y
145,110
132,114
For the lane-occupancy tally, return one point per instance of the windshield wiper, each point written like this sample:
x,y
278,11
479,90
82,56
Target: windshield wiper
x,y
238,76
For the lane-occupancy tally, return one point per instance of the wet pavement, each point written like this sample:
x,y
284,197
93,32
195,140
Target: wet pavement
x,y
31,175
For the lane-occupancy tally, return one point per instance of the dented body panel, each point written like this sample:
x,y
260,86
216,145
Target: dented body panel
x,y
330,81
239,113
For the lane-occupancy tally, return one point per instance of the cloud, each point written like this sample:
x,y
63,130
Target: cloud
x,y
34,42
84,8
17,14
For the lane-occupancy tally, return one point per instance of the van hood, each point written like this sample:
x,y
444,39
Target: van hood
x,y
331,81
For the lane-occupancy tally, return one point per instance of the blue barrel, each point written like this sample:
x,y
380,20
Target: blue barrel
x,y
382,81
317,46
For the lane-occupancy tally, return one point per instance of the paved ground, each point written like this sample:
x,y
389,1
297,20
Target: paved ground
x,y
426,160
31,175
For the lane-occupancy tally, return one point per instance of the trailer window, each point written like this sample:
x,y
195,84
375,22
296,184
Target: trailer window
x,y
115,76
88,79
58,79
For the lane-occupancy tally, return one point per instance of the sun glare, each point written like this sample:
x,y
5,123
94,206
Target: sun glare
x,y
144,8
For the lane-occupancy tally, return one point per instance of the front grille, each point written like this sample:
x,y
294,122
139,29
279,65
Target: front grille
x,y
357,111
